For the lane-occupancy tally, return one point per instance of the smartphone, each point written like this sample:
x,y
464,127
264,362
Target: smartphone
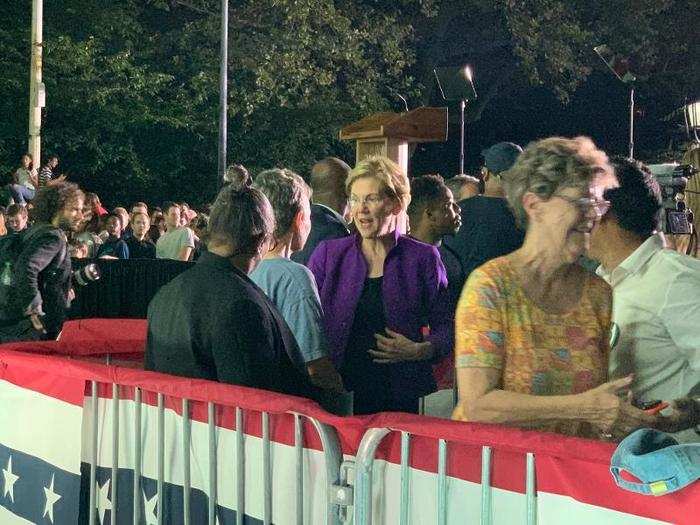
x,y
652,407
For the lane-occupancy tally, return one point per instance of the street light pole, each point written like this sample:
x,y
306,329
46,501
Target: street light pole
x,y
223,92
36,87
462,105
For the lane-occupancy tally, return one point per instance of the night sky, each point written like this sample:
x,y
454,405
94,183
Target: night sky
x,y
599,109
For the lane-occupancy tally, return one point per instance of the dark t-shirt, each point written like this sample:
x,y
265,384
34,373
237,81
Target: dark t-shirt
x,y
212,322
361,375
455,274
488,231
144,249
114,247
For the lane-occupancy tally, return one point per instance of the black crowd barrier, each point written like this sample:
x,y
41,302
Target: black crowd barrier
x,y
125,287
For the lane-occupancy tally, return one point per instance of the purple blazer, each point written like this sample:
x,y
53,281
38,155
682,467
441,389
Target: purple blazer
x,y
414,290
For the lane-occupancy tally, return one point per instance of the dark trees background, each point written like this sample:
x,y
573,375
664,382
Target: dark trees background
x,y
132,85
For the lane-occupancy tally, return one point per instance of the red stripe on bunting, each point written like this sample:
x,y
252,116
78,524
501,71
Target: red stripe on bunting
x,y
52,383
566,466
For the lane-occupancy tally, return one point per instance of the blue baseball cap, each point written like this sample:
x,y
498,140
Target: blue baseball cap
x,y
657,460
500,157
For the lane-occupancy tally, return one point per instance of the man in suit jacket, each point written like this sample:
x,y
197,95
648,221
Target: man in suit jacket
x,y
329,200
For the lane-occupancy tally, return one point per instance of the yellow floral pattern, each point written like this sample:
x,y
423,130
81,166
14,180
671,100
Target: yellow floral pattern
x,y
538,353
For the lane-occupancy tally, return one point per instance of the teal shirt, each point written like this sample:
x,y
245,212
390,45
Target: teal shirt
x,y
292,289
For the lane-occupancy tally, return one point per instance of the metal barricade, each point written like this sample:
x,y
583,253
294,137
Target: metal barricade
x,y
364,462
334,492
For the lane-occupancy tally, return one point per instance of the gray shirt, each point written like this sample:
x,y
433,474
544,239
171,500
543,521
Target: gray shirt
x,y
172,242
292,289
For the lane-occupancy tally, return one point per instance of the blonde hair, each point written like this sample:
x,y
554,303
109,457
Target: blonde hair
x,y
549,164
386,171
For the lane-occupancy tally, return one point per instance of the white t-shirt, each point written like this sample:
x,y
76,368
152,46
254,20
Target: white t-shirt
x,y
172,242
656,306
24,178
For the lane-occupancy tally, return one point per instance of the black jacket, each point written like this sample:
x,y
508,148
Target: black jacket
x,y
325,224
488,231
212,322
42,277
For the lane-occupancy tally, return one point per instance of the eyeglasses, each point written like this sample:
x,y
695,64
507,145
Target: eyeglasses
x,y
586,204
372,200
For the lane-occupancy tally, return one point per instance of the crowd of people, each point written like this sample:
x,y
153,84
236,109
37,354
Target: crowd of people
x,y
544,280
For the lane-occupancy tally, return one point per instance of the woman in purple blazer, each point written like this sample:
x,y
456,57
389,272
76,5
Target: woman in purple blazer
x,y
381,291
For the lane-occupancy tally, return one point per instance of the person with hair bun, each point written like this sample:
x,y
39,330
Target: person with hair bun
x,y
212,321
238,175
381,291
533,326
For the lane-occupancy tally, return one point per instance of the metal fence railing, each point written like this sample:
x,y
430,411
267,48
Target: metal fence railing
x,y
365,460
327,435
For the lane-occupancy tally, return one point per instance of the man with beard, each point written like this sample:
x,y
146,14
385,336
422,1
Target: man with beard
x,y
40,292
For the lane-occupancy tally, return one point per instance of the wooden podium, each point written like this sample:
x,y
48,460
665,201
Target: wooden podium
x,y
389,134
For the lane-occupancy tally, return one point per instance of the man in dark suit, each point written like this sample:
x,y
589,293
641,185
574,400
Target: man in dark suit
x,y
327,181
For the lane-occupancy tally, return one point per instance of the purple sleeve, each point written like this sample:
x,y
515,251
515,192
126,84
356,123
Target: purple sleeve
x,y
440,315
317,264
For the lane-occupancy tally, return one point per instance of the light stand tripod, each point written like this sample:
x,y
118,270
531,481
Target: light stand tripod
x,y
620,67
455,83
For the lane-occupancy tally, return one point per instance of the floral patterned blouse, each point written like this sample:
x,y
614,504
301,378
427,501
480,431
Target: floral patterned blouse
x,y
537,353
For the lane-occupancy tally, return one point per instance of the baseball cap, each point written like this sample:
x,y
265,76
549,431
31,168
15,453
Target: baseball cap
x,y
500,157
657,460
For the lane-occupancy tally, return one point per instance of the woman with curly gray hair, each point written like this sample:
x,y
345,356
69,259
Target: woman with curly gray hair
x,y
532,327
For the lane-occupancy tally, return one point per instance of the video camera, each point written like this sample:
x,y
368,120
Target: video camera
x,y
87,274
676,218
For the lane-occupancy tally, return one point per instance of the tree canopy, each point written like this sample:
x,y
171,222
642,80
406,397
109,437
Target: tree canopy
x,y
132,85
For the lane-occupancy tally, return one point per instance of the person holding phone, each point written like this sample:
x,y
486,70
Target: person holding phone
x,y
532,327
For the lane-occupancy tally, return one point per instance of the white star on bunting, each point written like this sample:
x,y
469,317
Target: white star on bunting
x,y
103,502
149,508
51,499
10,480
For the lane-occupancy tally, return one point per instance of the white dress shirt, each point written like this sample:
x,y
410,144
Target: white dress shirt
x,y
656,306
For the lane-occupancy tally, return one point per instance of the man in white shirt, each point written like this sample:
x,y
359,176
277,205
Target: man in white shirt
x,y
177,242
656,299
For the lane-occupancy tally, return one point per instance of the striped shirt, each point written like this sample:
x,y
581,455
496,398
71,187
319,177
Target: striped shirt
x,y
45,175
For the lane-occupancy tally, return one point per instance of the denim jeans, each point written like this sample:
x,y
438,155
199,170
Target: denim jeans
x,y
21,194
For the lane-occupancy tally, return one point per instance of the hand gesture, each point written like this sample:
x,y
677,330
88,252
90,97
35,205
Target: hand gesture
x,y
685,415
608,407
395,348
37,324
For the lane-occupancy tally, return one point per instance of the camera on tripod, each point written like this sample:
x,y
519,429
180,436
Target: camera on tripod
x,y
676,218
